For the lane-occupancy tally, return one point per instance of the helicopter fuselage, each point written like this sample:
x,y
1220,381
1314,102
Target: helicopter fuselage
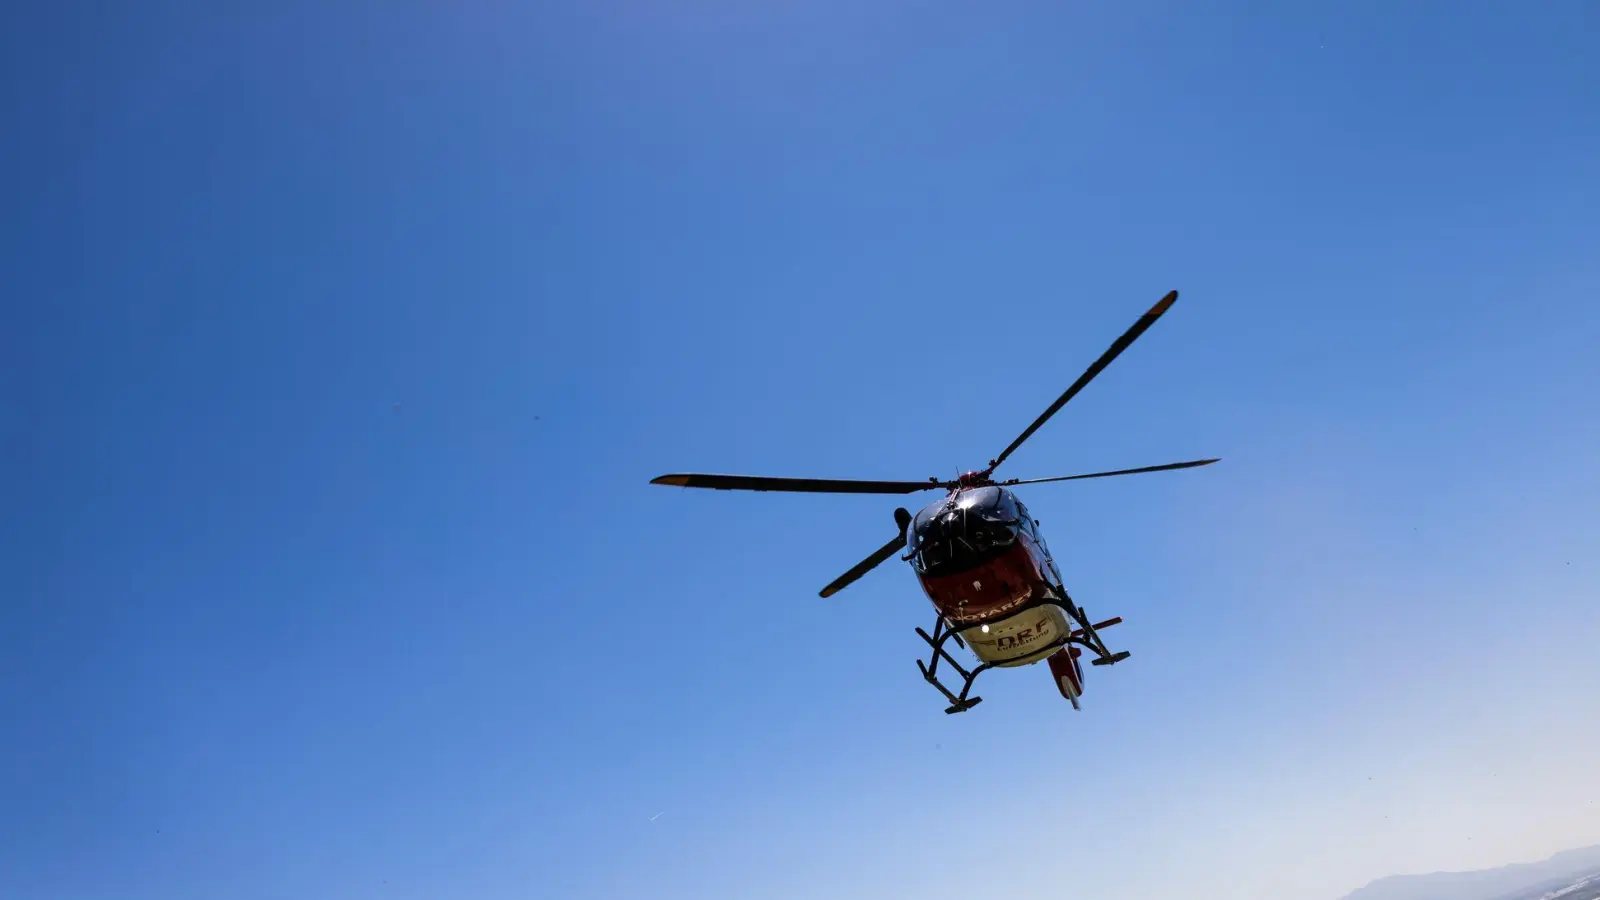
x,y
979,554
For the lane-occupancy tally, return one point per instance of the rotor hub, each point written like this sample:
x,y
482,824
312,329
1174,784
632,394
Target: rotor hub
x,y
972,479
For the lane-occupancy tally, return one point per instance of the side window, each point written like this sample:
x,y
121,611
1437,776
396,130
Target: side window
x,y
1025,521
1038,538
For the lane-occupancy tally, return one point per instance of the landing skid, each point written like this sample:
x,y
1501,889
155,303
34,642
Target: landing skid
x,y
1085,635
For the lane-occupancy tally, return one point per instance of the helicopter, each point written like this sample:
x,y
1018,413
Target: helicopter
x,y
982,559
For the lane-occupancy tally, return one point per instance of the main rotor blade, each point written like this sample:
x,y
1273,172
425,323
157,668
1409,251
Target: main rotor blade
x,y
1182,465
1121,344
866,565
805,485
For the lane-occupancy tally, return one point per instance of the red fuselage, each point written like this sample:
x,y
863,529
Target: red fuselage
x,y
988,589
980,556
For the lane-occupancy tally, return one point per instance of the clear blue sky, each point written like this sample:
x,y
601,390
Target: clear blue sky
x,y
263,635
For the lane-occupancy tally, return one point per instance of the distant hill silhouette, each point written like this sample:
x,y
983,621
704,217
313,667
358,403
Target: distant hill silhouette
x,y
1520,881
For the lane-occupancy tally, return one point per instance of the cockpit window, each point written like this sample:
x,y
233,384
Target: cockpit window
x,y
1024,521
945,540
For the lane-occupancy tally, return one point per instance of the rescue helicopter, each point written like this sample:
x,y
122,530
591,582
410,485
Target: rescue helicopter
x,y
982,559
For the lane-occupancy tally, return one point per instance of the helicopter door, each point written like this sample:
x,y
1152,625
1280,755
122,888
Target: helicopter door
x,y
1050,561
1031,527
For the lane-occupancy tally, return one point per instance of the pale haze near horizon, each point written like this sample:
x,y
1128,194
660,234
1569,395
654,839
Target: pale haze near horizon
x,y
349,345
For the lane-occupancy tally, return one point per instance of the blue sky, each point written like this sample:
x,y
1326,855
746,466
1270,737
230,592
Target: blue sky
x,y
265,635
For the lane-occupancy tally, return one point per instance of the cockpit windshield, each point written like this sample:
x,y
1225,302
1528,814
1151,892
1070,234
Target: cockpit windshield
x,y
978,526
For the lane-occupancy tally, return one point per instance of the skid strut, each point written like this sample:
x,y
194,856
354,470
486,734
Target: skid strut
x,y
1085,635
